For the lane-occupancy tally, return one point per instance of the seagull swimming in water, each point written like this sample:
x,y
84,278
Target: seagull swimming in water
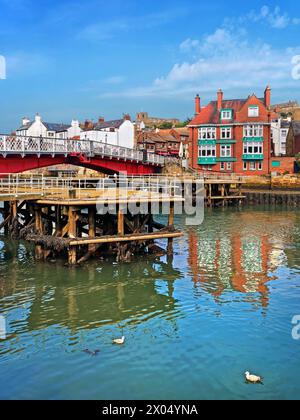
x,y
119,341
253,379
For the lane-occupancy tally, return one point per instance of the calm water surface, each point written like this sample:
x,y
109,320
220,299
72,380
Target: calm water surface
x,y
193,325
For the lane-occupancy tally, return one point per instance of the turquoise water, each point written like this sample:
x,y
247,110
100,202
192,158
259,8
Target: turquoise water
x,y
193,325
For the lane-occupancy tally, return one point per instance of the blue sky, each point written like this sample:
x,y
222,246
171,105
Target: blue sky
x,y
71,59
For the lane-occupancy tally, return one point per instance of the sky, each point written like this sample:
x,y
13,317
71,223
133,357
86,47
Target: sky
x,y
84,59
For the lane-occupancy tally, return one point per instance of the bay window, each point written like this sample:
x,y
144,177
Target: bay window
x,y
253,130
253,149
207,151
207,133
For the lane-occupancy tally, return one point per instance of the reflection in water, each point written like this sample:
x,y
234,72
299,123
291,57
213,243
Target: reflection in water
x,y
179,316
89,297
244,259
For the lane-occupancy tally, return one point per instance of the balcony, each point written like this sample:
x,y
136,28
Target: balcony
x,y
211,160
252,156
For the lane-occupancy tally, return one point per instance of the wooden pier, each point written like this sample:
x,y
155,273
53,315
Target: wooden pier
x,y
63,219
79,219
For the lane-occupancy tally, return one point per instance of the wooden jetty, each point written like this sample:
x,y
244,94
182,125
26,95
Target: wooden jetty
x,y
62,218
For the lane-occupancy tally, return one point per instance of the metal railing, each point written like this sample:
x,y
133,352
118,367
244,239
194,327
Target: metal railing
x,y
20,185
44,145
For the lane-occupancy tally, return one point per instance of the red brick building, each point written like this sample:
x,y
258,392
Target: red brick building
x,y
232,136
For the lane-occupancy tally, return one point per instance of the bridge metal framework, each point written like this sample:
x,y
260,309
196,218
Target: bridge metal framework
x,y
20,153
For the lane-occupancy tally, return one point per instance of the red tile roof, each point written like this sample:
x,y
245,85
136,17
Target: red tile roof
x,y
211,115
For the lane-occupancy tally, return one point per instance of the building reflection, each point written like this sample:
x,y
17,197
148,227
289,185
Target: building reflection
x,y
241,261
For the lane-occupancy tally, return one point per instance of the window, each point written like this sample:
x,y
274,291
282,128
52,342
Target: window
x,y
226,114
50,134
252,166
253,131
260,166
222,166
253,111
207,151
253,149
229,166
226,133
225,151
284,134
207,133
245,167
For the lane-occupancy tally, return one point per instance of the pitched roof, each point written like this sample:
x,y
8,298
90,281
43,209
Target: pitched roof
x,y
26,126
56,127
157,137
108,124
211,115
49,126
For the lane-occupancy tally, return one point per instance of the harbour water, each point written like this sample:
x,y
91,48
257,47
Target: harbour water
x,y
193,324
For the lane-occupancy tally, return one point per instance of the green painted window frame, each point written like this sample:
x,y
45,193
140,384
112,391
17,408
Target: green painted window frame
x,y
226,110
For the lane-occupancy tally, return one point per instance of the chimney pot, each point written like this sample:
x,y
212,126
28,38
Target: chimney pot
x,y
268,97
197,105
220,99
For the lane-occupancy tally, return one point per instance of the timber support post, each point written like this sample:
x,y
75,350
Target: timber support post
x,y
39,231
72,253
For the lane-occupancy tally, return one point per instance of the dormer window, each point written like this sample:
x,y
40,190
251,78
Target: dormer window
x,y
253,111
226,114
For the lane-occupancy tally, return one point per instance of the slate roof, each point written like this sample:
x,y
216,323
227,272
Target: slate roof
x,y
49,126
25,127
109,124
56,127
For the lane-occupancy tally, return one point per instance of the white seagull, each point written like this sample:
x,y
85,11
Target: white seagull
x,y
119,341
253,379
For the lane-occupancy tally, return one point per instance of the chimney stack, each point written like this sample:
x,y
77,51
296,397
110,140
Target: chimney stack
x,y
220,99
101,120
268,97
127,117
25,121
197,105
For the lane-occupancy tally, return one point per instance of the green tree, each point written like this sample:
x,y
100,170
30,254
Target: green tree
x,y
166,126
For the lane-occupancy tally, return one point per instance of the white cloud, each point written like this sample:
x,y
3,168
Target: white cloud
x,y
189,45
226,58
276,18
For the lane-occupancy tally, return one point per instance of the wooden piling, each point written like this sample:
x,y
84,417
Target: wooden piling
x,y
72,253
39,231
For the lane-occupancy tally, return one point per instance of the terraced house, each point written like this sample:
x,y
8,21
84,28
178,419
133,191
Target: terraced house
x,y
232,136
